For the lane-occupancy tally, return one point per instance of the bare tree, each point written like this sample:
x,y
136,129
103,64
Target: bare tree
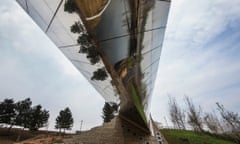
x,y
177,115
213,123
194,115
232,119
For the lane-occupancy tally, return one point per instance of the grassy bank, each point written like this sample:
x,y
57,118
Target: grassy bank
x,y
190,137
12,136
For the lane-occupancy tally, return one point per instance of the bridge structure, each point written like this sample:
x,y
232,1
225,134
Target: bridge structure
x,y
115,44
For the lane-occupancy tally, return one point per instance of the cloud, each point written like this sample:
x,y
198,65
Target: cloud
x,y
32,66
200,56
15,23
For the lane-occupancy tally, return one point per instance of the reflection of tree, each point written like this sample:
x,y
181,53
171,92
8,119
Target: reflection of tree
x,y
138,19
93,55
83,39
100,74
89,49
83,49
86,47
147,6
76,28
70,6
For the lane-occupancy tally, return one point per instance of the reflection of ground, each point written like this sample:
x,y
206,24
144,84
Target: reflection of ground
x,y
100,12
92,10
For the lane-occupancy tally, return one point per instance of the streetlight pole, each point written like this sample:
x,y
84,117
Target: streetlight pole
x,y
81,126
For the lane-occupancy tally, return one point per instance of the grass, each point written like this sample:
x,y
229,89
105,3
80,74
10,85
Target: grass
x,y
189,137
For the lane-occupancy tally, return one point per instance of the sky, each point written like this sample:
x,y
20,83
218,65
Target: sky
x,y
200,59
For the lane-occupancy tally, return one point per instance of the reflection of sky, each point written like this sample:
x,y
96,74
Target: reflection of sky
x,y
56,23
200,58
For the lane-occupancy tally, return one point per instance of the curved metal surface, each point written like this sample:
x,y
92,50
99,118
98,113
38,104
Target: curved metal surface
x,y
130,34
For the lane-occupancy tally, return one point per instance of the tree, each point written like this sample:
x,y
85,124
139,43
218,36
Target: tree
x,y
64,120
212,122
231,118
22,112
100,74
7,112
37,118
177,115
108,112
194,116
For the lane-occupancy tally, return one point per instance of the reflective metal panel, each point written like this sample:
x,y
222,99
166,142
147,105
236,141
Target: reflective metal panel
x,y
127,35
53,20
